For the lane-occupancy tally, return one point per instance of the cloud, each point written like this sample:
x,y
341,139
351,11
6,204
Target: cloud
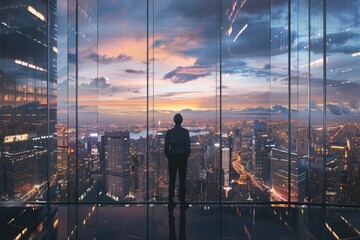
x,y
234,66
135,71
186,74
135,89
354,104
338,43
260,7
337,109
193,9
279,109
101,83
224,87
267,66
104,59
314,105
173,94
160,43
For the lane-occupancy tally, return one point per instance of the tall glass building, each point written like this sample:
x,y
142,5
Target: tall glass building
x,y
28,100
268,91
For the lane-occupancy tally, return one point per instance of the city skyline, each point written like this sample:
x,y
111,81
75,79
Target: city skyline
x,y
268,90
249,105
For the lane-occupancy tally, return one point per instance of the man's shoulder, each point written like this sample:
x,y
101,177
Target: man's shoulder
x,y
185,130
175,128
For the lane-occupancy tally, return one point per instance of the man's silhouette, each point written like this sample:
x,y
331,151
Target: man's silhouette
x,y
177,150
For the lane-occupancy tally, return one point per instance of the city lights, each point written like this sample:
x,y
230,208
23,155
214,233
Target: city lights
x,y
268,91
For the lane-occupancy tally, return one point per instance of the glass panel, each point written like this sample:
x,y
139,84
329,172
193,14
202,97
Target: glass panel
x,y
246,98
98,135
316,103
62,162
279,97
70,182
184,44
342,102
27,100
299,114
122,88
87,101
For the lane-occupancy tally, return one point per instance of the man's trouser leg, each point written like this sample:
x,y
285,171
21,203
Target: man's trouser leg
x,y
172,177
182,177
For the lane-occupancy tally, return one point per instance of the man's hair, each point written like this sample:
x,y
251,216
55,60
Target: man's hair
x,y
178,119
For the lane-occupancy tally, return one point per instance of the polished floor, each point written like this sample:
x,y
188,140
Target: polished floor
x,y
197,222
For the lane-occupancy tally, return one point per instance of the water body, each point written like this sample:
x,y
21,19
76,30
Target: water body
x,y
142,133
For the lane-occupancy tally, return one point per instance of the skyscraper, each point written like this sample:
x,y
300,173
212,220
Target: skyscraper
x,y
333,177
280,175
194,162
137,179
260,151
340,151
62,157
28,48
117,164
226,166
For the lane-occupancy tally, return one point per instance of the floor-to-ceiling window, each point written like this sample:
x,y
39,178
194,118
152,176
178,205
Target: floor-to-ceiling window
x,y
268,91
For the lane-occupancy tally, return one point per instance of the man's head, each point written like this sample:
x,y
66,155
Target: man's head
x,y
178,119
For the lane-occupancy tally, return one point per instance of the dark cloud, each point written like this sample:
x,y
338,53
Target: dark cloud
x,y
193,9
186,74
340,37
267,66
337,43
314,105
279,109
337,109
135,90
151,60
172,94
254,111
160,43
354,104
135,71
110,10
274,110
253,41
235,66
169,94
349,90
101,83
104,59
260,7
223,87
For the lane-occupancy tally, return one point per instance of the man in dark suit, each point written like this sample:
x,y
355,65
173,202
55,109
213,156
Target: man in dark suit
x,y
177,151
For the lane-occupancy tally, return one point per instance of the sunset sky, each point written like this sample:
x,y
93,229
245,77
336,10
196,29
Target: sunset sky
x,y
184,54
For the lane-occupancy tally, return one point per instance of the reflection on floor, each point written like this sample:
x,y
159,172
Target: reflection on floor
x,y
159,222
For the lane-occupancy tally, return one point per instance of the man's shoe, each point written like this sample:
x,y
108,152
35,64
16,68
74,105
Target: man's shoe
x,y
184,206
171,206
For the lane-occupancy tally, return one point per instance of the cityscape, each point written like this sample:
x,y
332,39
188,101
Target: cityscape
x,y
254,166
268,92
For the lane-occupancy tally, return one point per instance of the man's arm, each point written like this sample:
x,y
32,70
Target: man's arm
x,y
187,144
167,145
